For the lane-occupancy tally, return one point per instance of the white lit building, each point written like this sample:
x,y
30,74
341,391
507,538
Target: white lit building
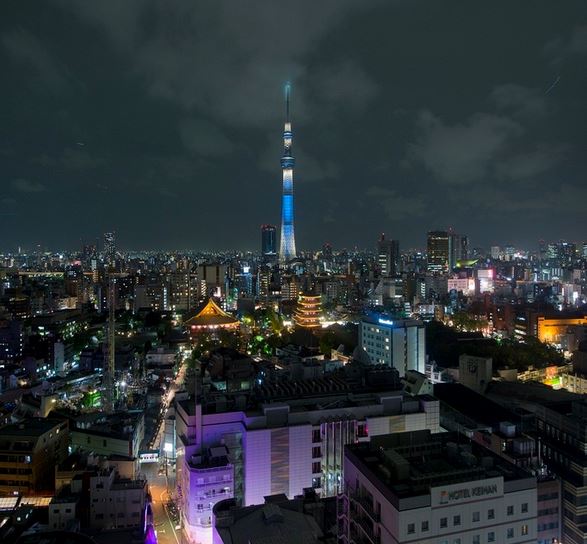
x,y
434,489
399,343
281,446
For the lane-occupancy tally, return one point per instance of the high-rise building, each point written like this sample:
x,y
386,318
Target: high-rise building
x,y
109,247
399,343
439,251
268,241
388,256
287,246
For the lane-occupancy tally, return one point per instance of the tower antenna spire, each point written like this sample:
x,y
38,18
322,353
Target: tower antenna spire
x,y
287,93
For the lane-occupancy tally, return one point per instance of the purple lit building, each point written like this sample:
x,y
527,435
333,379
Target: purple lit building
x,y
232,447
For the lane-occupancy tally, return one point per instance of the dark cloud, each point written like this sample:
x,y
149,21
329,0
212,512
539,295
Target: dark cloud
x,y
204,138
27,186
518,100
159,119
396,206
24,47
462,152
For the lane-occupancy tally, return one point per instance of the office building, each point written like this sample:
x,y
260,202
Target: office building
x,y
213,279
553,329
388,257
430,489
398,343
439,250
287,246
29,452
291,439
269,241
109,248
510,434
561,425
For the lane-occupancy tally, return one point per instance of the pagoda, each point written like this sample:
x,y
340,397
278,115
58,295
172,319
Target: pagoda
x,y
308,311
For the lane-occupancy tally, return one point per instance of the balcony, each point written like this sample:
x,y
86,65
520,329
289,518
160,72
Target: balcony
x,y
367,530
366,505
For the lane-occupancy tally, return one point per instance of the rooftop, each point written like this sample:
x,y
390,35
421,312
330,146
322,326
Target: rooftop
x,y
32,427
211,315
410,464
476,406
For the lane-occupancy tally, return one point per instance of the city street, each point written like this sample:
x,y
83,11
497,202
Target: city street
x,y
164,525
166,402
162,485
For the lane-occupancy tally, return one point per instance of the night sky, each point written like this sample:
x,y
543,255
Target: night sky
x,y
162,120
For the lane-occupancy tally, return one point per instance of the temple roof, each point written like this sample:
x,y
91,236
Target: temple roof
x,y
211,315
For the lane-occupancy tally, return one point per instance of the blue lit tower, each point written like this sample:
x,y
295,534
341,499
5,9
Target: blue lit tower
x,y
287,247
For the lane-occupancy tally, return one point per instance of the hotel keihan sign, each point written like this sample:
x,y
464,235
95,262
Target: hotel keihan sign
x,y
473,491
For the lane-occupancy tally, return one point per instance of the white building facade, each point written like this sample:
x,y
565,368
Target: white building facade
x,y
399,343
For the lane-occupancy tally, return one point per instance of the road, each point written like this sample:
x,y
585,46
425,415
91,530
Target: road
x,y
162,485
166,533
166,402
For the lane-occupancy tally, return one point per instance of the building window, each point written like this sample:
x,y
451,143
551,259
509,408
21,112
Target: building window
x,y
316,468
510,533
510,510
490,536
456,520
524,507
477,539
316,436
316,451
411,528
491,514
425,526
524,529
476,516
443,523
456,541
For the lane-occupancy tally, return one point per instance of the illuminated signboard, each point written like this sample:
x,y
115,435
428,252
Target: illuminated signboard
x,y
475,491
385,321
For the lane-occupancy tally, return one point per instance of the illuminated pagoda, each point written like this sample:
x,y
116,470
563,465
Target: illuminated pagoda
x,y
211,318
308,311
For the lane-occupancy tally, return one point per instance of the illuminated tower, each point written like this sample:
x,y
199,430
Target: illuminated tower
x,y
287,247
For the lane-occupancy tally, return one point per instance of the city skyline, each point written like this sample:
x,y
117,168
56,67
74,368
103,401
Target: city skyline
x,y
401,128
